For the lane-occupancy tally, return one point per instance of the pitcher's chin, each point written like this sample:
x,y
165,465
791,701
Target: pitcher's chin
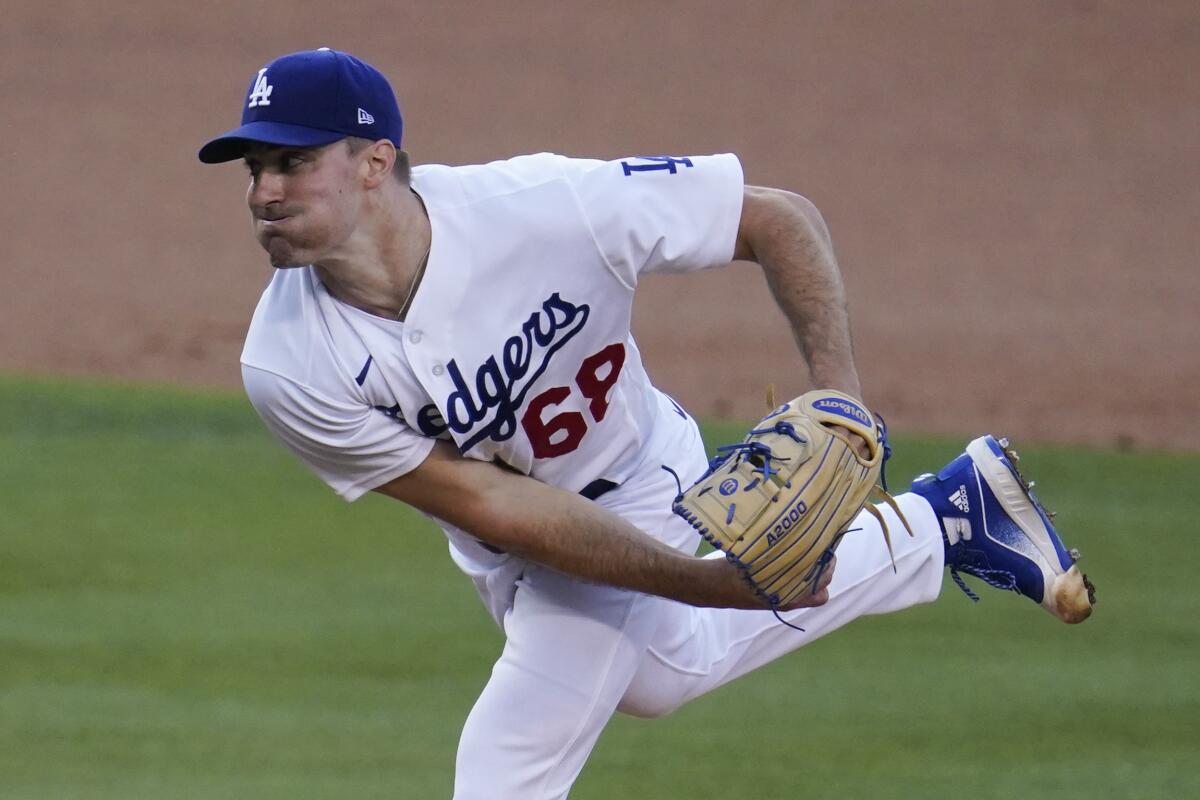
x,y
281,252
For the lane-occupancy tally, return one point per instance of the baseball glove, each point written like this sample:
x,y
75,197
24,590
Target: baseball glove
x,y
779,502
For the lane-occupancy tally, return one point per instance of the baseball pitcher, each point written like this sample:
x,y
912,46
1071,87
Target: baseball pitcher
x,y
458,338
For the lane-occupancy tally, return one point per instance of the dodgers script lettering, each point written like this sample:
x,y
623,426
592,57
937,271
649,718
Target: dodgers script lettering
x,y
501,382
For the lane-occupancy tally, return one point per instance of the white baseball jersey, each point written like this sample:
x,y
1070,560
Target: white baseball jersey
x,y
517,344
517,348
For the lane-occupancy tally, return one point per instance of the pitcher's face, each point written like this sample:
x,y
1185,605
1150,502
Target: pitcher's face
x,y
304,201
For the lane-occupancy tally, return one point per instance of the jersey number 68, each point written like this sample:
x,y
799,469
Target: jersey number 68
x,y
562,432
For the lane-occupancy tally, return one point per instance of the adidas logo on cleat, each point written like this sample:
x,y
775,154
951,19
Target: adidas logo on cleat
x,y
959,499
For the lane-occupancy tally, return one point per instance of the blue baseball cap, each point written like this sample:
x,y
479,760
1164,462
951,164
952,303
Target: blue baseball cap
x,y
309,99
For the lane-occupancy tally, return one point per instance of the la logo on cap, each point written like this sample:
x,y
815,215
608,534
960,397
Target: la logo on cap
x,y
260,95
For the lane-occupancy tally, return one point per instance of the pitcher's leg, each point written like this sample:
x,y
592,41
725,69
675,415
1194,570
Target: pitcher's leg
x,y
698,649
571,650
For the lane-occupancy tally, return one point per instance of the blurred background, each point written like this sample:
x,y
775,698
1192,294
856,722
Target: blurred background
x,y
1013,187
1013,190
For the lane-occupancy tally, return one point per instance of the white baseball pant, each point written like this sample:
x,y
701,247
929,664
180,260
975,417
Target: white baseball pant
x,y
576,652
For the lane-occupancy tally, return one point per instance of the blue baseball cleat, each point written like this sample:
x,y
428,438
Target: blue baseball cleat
x,y
994,528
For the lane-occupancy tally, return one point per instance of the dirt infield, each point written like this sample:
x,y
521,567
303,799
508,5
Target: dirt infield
x,y
1012,186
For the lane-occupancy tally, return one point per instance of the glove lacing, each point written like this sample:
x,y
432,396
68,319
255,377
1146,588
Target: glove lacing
x,y
761,456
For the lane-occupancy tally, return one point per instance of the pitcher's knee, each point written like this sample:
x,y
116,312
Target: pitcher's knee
x,y
645,705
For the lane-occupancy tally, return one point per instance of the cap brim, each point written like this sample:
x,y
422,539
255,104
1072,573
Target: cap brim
x,y
232,144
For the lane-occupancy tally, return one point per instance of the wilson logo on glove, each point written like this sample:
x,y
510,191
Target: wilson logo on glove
x,y
844,408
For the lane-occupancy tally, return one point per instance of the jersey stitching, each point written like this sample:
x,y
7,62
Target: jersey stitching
x,y
357,484
385,476
459,180
595,240
559,177
343,369
307,387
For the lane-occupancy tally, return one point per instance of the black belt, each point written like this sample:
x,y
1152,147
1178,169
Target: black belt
x,y
598,487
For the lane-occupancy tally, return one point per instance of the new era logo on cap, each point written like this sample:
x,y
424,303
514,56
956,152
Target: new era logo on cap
x,y
364,118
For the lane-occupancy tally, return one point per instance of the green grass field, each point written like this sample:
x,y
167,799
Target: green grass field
x,y
187,613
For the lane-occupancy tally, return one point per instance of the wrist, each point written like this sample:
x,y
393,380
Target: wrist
x,y
846,384
730,589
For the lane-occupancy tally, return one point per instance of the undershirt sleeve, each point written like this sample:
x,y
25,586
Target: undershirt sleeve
x,y
661,214
350,446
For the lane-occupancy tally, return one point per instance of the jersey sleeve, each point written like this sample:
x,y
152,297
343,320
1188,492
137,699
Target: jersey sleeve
x,y
662,214
350,446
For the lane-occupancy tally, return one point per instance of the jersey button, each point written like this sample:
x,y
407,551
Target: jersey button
x,y
438,369
415,337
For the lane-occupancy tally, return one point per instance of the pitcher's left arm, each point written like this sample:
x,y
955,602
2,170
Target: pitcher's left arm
x,y
785,234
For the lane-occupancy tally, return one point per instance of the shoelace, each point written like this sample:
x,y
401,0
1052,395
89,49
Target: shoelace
x,y
997,578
